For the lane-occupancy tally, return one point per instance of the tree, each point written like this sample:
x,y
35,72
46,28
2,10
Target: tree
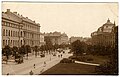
x,y
36,50
14,49
22,50
42,48
78,47
28,50
49,45
55,47
7,52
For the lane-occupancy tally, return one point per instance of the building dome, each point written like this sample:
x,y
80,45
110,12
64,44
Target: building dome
x,y
108,22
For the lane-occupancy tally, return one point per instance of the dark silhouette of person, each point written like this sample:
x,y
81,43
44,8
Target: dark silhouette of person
x,y
34,65
61,55
7,73
31,72
44,63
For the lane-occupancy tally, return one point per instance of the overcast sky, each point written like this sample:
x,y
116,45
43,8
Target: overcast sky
x,y
75,19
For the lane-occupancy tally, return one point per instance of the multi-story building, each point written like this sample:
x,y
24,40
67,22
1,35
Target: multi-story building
x,y
57,37
72,39
105,35
18,30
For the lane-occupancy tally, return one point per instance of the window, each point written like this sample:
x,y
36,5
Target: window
x,y
21,33
11,42
6,32
18,34
3,42
3,32
21,42
6,42
13,33
9,32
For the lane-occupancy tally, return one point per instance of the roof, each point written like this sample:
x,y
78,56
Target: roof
x,y
11,16
16,17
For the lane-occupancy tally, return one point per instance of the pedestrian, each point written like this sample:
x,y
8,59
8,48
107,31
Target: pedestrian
x,y
44,63
61,55
34,65
31,72
7,73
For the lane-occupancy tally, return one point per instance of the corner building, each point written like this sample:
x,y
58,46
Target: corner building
x,y
105,35
18,30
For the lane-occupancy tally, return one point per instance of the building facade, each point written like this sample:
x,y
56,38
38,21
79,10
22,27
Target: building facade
x,y
57,37
105,35
73,39
18,30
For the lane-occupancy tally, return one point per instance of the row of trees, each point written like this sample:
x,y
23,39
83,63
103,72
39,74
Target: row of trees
x,y
78,48
26,49
14,51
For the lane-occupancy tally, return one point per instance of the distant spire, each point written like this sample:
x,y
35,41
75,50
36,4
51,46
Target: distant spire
x,y
108,20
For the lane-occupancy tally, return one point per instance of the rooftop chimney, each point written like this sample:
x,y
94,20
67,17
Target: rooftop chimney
x,y
15,12
8,10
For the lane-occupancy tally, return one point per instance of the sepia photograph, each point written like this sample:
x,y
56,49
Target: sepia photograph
x,y
59,38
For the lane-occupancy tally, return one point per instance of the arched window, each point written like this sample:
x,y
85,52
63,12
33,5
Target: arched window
x,y
21,42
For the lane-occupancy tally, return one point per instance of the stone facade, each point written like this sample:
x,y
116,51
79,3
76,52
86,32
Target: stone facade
x,y
18,30
57,38
105,35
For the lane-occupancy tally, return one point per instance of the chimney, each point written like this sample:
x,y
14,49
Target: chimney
x,y
8,10
15,12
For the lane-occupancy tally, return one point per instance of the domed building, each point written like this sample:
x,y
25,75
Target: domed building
x,y
104,36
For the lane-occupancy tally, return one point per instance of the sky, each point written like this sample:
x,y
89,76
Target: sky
x,y
75,19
